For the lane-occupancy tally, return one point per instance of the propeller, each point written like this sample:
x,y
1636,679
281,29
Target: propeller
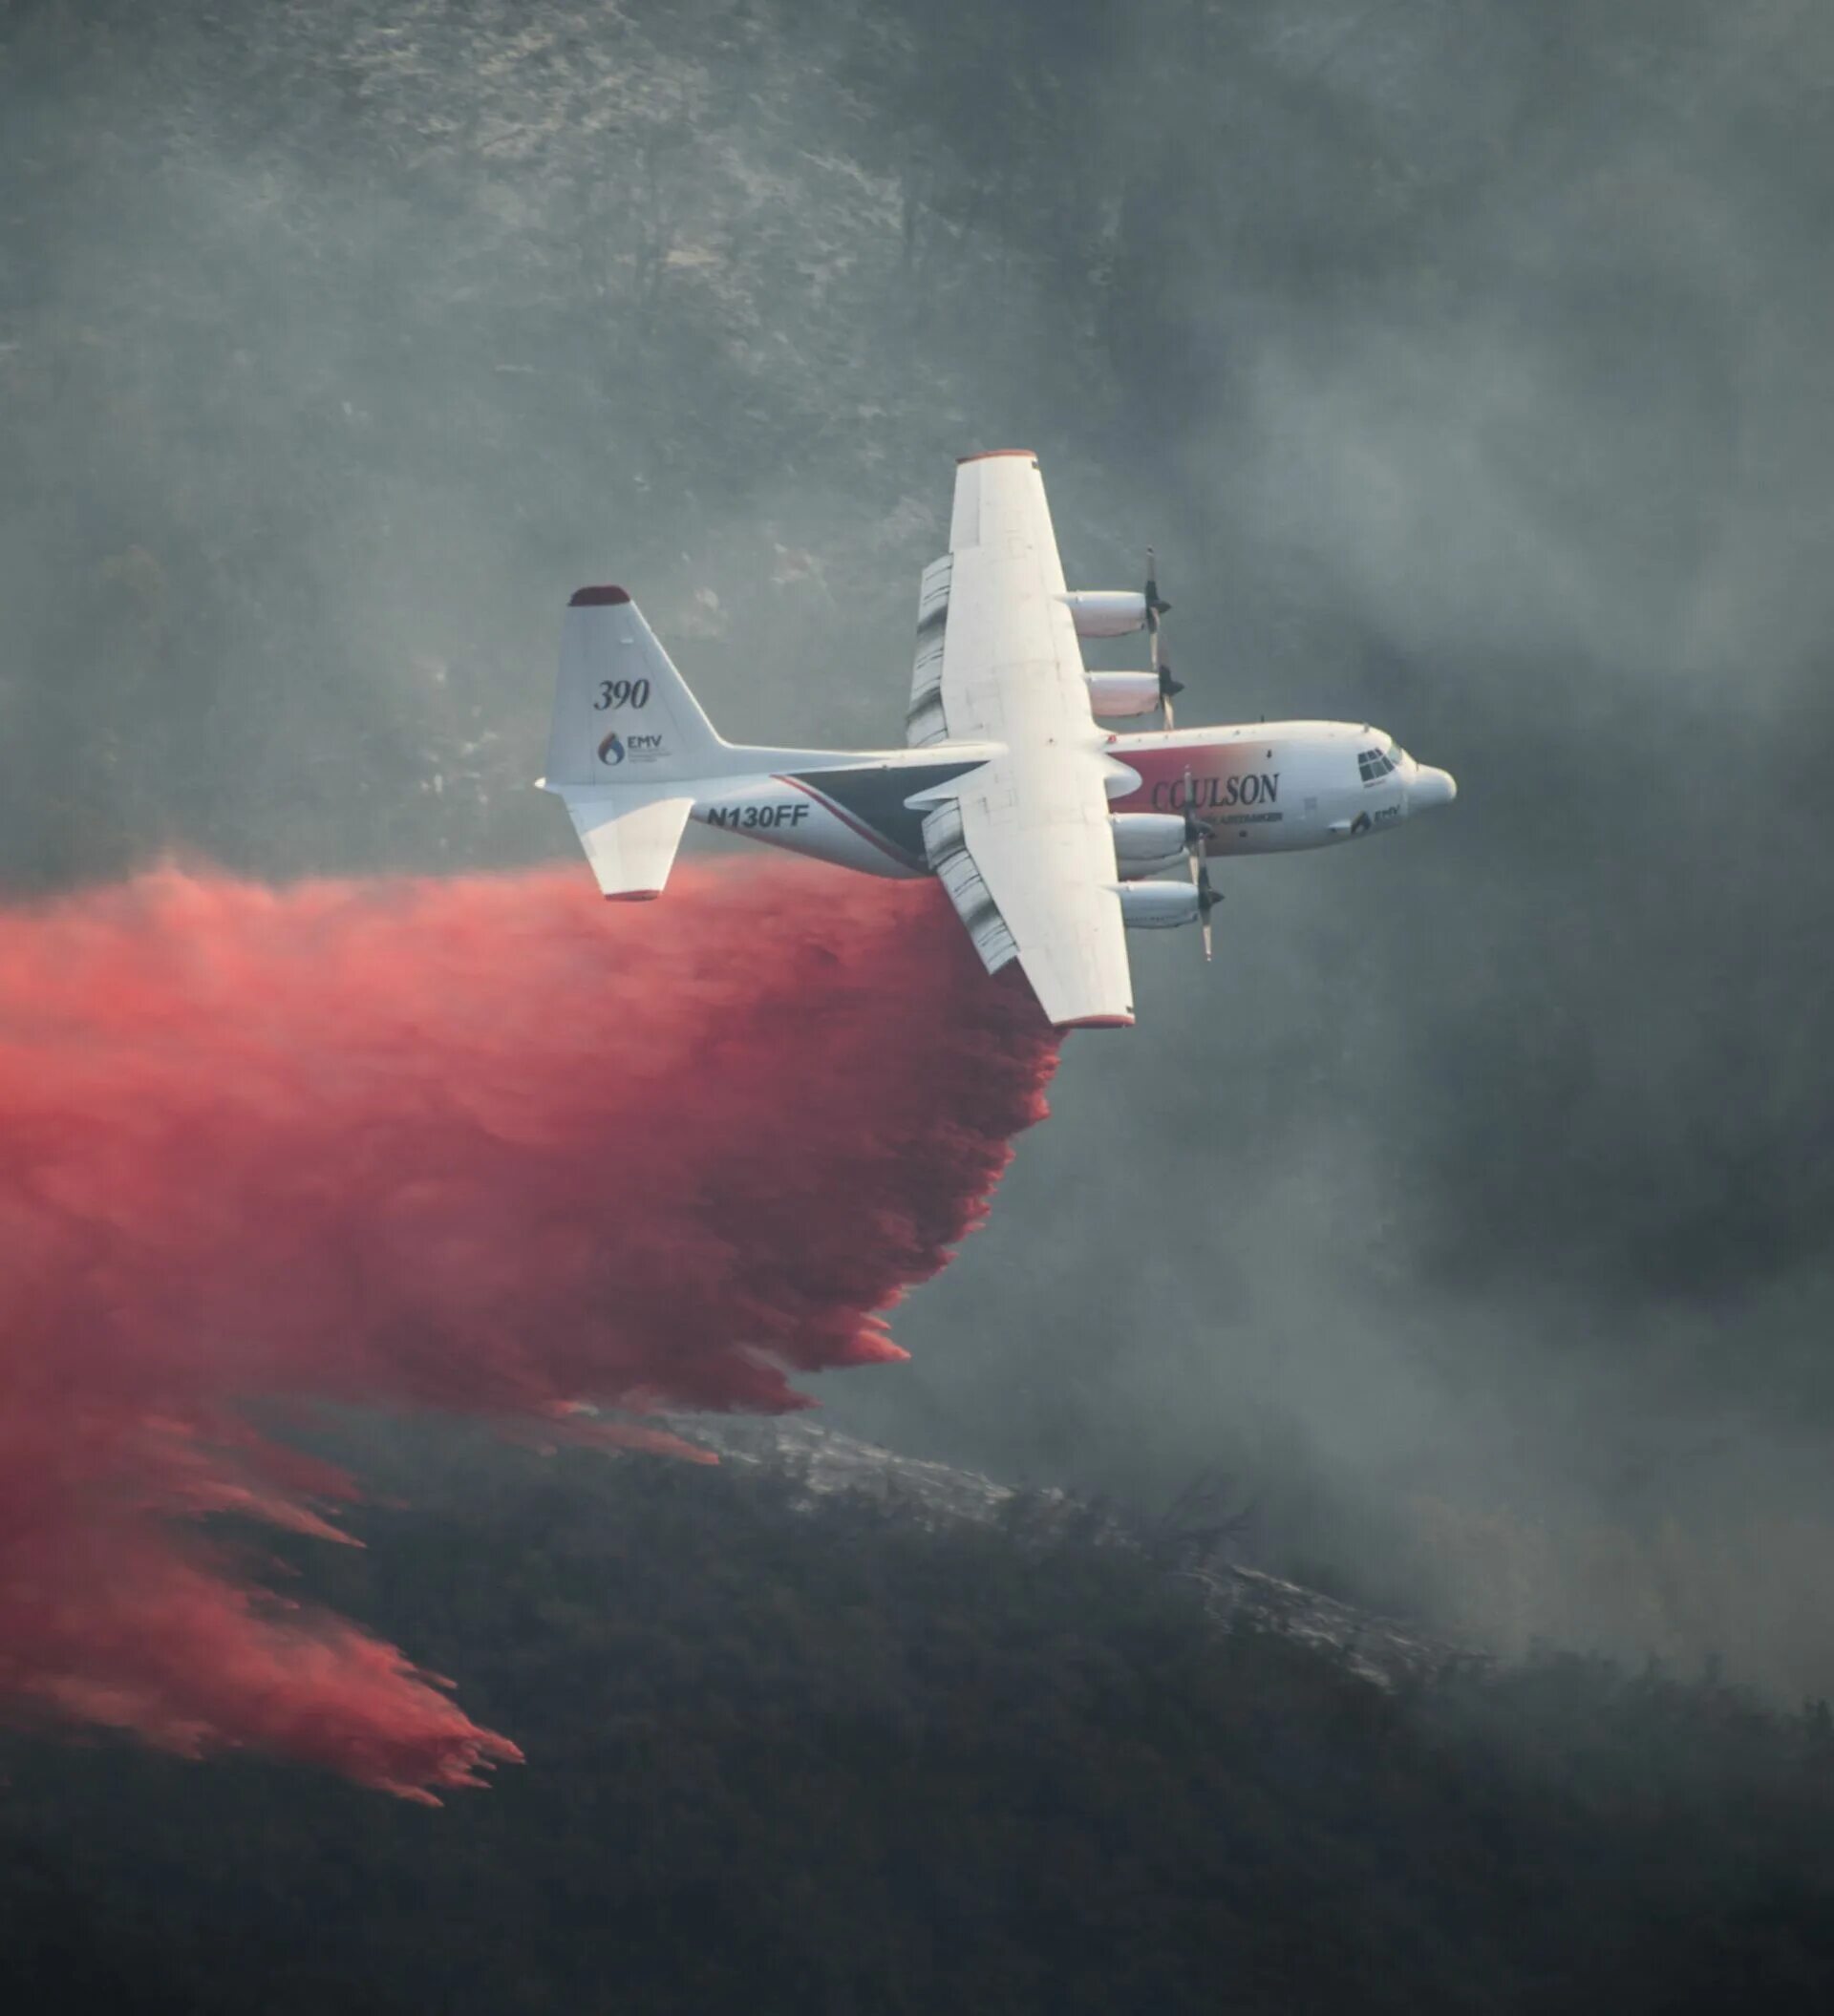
x,y
1161,666
1196,833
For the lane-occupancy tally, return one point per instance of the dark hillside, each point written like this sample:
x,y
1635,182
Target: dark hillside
x,y
826,1755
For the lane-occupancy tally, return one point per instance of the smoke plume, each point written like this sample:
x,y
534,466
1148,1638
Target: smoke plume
x,y
487,1146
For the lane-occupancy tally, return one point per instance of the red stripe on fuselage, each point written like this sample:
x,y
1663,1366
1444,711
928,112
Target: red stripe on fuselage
x,y
1210,767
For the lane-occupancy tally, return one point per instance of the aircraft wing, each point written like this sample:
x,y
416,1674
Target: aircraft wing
x,y
1023,844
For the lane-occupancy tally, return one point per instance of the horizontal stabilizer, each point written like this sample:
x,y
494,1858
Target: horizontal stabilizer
x,y
631,846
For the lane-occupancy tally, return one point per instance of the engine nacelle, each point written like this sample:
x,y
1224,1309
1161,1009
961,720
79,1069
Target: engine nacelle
x,y
1107,613
1146,836
1115,694
1158,906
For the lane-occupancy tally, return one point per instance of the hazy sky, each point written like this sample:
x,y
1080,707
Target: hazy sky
x,y
1468,368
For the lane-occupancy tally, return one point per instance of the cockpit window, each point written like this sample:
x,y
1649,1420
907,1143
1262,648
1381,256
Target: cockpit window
x,y
1372,765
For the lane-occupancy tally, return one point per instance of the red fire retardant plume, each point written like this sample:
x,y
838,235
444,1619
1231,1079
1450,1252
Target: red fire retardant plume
x,y
490,1146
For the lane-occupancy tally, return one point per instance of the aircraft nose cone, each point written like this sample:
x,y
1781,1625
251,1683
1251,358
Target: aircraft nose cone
x,y
1430,788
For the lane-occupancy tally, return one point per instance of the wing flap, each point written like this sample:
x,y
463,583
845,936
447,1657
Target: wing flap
x,y
955,866
925,720
1029,864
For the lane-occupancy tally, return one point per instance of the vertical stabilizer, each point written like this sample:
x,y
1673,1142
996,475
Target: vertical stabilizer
x,y
623,713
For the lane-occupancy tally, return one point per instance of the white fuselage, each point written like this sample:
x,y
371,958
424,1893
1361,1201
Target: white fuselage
x,y
1263,788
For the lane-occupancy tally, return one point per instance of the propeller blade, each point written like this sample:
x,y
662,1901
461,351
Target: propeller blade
x,y
1155,608
1208,898
1196,833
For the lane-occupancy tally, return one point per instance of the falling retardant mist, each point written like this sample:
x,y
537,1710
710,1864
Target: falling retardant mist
x,y
486,1146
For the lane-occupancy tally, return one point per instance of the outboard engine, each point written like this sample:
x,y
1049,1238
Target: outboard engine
x,y
1107,613
1116,693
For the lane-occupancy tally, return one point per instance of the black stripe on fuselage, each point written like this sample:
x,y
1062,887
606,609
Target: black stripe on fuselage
x,y
875,796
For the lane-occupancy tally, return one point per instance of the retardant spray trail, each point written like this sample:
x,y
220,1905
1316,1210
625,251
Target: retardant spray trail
x,y
488,1146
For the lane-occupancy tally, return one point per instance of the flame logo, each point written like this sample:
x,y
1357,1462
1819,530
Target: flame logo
x,y
611,750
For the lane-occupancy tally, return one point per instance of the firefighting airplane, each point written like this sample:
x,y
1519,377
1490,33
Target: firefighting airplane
x,y
1049,832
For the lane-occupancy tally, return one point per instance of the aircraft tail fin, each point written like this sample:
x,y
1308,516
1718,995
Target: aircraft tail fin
x,y
623,714
630,750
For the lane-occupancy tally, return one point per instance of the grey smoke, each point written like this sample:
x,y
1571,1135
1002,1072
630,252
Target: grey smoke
x,y
1468,368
